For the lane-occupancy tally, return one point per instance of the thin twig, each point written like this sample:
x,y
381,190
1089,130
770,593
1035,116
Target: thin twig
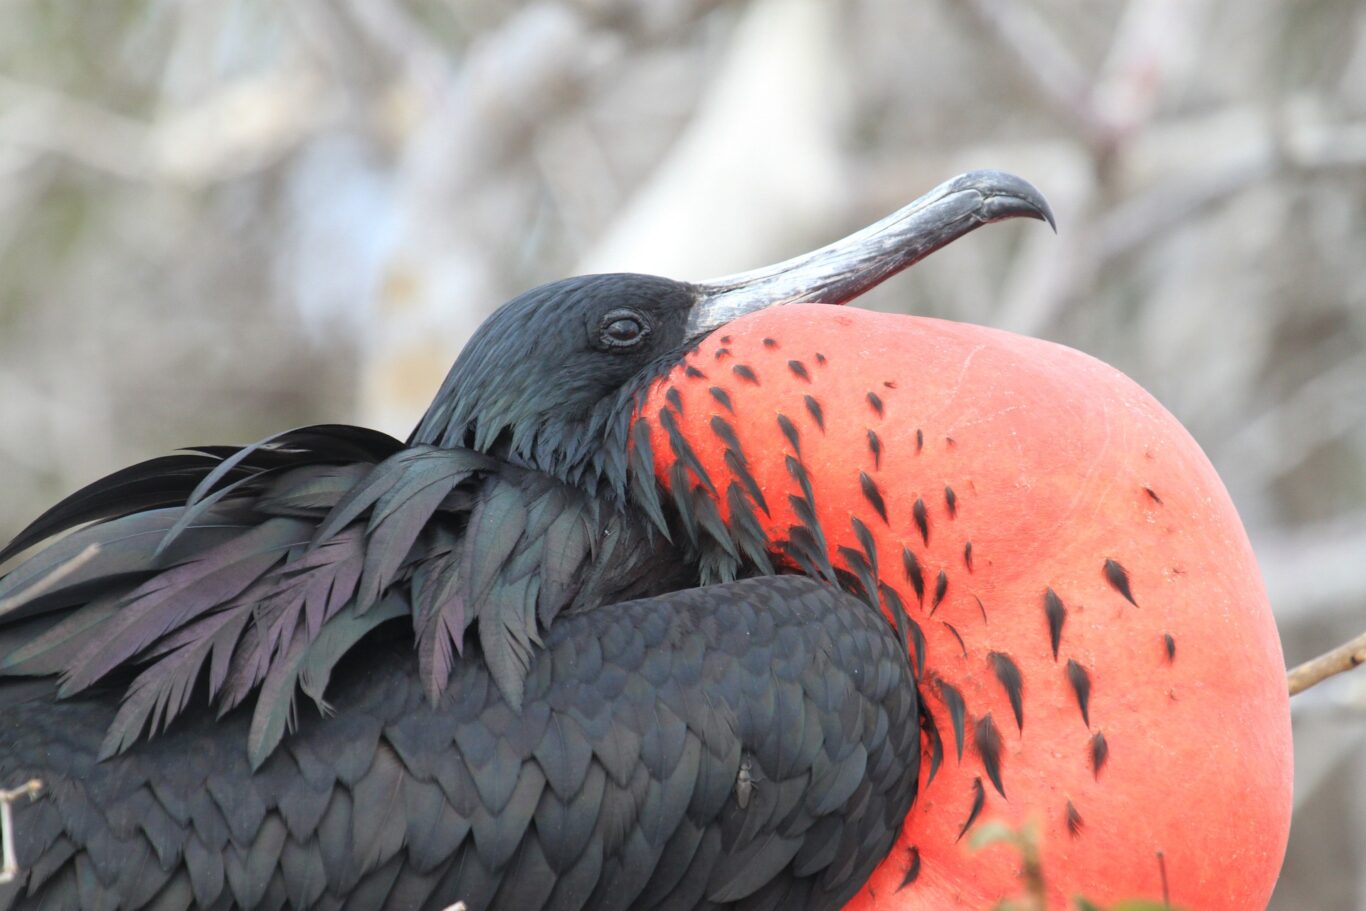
x,y
28,789
1316,670
51,579
1046,61
241,128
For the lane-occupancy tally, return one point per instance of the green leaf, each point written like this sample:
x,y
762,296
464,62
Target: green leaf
x,y
993,833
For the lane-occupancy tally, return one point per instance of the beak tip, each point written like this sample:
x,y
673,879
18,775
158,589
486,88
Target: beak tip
x,y
1007,196
1046,214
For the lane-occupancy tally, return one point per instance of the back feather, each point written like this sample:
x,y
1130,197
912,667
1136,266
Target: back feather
x,y
231,572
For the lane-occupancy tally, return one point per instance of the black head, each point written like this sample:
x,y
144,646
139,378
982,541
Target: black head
x,y
549,379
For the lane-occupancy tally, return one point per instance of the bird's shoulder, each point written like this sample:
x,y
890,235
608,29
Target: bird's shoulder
x,y
247,572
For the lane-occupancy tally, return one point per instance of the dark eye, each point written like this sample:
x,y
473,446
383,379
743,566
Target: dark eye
x,y
622,329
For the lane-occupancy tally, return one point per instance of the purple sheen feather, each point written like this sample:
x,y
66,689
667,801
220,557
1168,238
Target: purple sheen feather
x,y
497,524
160,693
51,652
246,667
435,653
194,510
306,490
275,710
381,480
177,596
391,541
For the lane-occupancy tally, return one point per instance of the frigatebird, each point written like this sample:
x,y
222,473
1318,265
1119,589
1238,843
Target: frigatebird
x,y
660,606
541,683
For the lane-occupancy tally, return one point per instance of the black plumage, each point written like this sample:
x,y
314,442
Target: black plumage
x,y
912,868
813,407
922,520
914,574
1056,614
979,798
957,637
1008,675
1118,577
988,741
1080,681
872,494
1074,821
789,431
1100,753
953,701
514,692
941,588
746,373
457,798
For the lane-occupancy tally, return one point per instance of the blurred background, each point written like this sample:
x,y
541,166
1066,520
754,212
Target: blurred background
x,y
219,220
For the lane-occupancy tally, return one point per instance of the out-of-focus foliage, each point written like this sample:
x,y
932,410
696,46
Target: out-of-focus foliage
x,y
1034,878
218,220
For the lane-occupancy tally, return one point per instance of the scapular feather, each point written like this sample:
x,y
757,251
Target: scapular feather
x,y
342,442
567,544
399,517
164,481
310,490
438,643
309,664
53,650
194,511
161,692
179,595
102,555
233,571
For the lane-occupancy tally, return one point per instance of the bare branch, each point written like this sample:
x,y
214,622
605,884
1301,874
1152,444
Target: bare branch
x,y
28,789
39,120
1046,61
48,581
1338,661
1312,572
389,27
1172,203
1224,153
245,126
1155,45
1284,435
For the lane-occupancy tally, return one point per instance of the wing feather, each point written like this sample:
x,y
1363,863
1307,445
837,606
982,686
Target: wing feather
x,y
240,573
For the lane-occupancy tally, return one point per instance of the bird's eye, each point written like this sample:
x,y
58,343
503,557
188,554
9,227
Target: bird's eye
x,y
622,329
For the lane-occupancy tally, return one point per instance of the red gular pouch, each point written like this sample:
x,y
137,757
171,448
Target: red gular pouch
x,y
1097,656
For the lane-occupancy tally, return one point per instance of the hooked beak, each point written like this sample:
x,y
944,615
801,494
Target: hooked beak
x,y
840,272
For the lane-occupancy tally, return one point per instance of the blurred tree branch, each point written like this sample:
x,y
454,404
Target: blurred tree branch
x,y
242,127
1344,658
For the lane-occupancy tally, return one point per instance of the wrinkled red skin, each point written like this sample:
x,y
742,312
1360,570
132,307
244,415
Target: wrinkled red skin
x,y
1058,464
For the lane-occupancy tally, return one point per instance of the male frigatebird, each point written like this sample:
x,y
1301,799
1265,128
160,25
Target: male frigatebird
x,y
528,699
